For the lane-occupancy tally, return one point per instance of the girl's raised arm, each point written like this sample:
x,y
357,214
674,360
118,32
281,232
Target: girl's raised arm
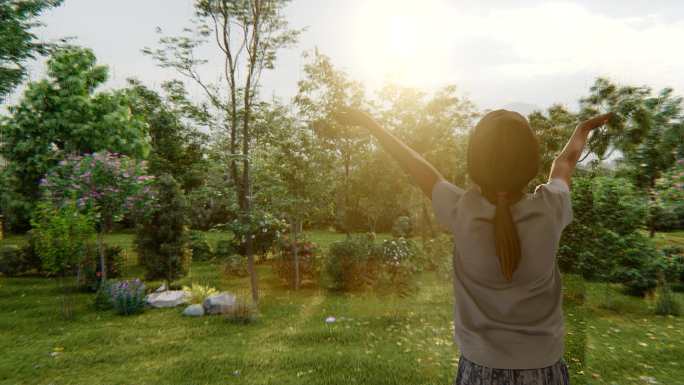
x,y
422,172
564,164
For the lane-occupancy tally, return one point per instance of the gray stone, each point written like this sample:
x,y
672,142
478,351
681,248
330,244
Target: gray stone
x,y
219,303
195,310
169,298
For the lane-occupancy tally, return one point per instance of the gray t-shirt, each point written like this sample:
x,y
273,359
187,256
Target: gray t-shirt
x,y
501,324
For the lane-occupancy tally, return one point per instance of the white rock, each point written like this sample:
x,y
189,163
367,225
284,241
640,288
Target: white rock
x,y
169,298
195,310
330,320
219,303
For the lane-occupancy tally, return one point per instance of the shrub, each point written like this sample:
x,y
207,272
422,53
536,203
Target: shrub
x,y
11,260
201,249
673,263
402,227
352,264
90,266
224,249
242,312
199,293
60,236
309,266
359,263
603,241
161,239
128,297
438,255
103,296
638,263
667,303
265,229
236,265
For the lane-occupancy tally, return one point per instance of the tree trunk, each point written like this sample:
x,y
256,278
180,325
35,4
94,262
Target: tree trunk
x,y
103,264
295,251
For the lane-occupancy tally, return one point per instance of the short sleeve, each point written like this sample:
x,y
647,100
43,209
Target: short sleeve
x,y
445,197
557,193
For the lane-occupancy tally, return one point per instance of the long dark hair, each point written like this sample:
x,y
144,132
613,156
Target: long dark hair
x,y
503,156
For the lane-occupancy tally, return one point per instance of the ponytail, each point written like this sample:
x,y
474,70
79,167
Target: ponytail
x,y
506,237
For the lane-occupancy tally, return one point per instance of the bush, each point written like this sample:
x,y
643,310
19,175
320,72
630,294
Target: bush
x,y
224,249
438,255
359,263
667,303
11,260
309,266
638,264
103,296
60,235
235,265
90,266
161,239
603,241
242,312
199,293
201,249
128,297
352,264
265,230
402,227
672,263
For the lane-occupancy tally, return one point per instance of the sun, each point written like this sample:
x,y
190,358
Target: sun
x,y
402,41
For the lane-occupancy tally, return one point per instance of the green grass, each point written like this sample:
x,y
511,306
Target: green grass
x,y
381,340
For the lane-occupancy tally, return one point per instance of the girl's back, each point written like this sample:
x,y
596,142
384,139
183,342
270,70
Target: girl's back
x,y
515,324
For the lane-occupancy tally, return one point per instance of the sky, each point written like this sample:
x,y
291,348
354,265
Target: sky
x,y
513,54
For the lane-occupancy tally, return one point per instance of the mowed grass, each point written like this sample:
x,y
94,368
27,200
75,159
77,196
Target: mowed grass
x,y
375,340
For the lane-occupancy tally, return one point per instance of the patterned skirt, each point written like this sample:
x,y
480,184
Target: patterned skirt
x,y
470,373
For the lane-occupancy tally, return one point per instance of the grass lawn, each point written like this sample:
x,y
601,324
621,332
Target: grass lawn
x,y
376,340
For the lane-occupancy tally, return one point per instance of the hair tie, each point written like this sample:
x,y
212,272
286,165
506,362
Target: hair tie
x,y
502,196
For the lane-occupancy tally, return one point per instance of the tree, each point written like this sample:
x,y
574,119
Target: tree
x,y
552,130
324,90
104,184
289,175
18,43
162,238
62,116
175,147
248,34
648,129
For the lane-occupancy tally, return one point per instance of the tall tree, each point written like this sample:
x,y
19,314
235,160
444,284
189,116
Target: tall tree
x,y
248,33
19,44
176,148
61,116
648,130
322,92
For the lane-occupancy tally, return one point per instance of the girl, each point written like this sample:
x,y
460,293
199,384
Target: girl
x,y
508,309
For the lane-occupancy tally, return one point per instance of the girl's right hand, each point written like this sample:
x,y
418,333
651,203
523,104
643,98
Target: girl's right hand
x,y
596,121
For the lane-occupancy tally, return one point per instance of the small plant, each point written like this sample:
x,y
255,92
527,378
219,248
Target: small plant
x,y
308,263
352,264
667,303
201,249
243,312
11,260
235,265
402,227
199,293
128,297
90,269
224,249
103,297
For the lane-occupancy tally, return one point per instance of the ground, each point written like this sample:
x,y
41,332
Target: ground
x,y
375,340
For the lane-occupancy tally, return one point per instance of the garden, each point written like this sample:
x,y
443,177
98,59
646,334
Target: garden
x,y
151,236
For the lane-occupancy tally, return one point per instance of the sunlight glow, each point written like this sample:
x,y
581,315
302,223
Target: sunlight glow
x,y
403,41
